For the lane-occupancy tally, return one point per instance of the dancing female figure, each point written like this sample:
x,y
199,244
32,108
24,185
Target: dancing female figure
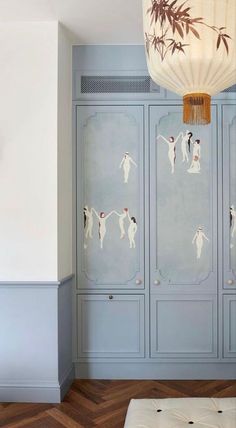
x,y
186,140
88,222
198,239
121,221
195,166
171,149
102,225
126,161
132,230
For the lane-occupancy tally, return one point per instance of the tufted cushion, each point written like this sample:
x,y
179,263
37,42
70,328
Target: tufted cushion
x,y
181,413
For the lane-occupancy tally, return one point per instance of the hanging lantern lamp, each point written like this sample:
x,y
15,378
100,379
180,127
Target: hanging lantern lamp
x,y
191,50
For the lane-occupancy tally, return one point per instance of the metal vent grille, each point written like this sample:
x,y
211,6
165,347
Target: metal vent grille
x,y
116,84
231,89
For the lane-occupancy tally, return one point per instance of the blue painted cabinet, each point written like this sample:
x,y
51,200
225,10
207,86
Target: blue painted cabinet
x,y
110,197
173,241
111,326
183,214
229,196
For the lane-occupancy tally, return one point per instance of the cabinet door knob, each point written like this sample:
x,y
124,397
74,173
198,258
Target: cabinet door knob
x,y
230,282
138,281
156,282
110,297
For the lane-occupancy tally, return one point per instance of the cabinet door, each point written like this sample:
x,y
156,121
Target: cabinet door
x,y
229,195
110,210
229,326
110,326
183,211
183,326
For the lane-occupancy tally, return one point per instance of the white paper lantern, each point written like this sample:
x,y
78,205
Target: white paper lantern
x,y
191,50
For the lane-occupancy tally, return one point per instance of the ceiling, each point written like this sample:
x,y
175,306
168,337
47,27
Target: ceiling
x,y
89,21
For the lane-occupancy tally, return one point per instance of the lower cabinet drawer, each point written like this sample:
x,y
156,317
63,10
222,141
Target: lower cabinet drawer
x,y
110,326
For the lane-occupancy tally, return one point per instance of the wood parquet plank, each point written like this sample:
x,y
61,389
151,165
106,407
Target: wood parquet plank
x,y
103,404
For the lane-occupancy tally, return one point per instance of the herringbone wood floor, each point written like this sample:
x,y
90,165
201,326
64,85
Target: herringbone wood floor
x,y
96,403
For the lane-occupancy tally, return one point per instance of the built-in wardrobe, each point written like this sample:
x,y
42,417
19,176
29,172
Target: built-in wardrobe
x,y
155,225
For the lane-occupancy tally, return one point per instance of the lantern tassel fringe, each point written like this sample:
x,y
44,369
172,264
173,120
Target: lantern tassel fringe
x,y
197,109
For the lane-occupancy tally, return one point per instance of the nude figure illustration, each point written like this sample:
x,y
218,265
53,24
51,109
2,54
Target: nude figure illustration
x,y
195,166
171,149
198,239
132,230
122,217
102,218
126,163
186,141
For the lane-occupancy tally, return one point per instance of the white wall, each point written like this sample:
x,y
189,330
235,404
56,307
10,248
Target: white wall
x,y
64,154
35,211
35,217
28,147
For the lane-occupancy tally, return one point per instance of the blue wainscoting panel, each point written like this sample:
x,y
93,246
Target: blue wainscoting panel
x,y
111,326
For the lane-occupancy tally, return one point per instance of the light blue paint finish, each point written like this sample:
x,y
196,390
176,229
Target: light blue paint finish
x,y
229,194
35,355
155,370
191,341
229,327
181,202
104,135
184,326
111,326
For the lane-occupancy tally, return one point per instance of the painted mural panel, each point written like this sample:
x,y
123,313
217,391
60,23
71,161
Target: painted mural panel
x,y
111,208
183,191
229,195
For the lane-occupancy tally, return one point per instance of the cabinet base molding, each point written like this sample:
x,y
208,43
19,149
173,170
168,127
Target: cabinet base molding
x,y
167,371
41,392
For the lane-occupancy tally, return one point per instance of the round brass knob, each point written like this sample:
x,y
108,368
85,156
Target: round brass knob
x,y
230,282
138,281
156,282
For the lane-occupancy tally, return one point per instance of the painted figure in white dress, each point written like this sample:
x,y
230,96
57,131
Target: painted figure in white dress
x,y
186,141
88,222
195,166
198,239
233,220
102,218
171,149
126,163
132,230
122,216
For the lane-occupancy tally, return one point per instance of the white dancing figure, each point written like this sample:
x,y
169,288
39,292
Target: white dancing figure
x,y
233,220
121,221
198,239
88,222
172,149
102,225
126,161
132,229
195,166
186,140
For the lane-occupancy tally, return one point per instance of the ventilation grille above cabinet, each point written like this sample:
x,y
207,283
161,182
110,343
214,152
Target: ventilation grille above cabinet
x,y
117,84
123,84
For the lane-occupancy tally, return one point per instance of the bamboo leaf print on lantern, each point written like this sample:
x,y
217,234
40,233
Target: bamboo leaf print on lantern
x,y
175,19
191,50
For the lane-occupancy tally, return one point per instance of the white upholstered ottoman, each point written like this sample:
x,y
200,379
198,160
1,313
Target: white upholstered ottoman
x,y
181,413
